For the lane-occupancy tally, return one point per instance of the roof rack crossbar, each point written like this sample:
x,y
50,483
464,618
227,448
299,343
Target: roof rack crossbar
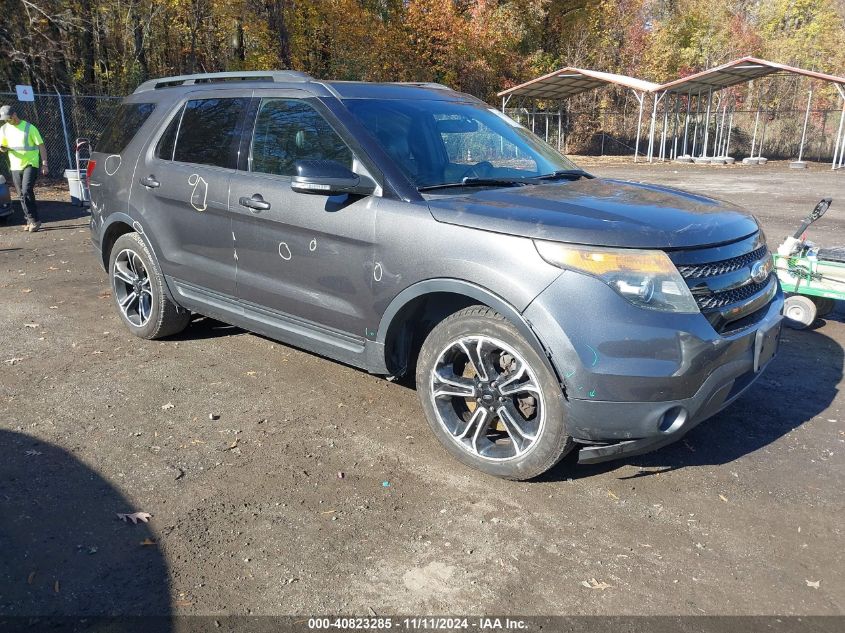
x,y
260,75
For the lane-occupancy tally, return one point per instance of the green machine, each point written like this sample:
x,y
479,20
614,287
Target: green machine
x,y
813,278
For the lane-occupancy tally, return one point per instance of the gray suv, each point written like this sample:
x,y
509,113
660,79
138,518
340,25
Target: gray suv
x,y
407,229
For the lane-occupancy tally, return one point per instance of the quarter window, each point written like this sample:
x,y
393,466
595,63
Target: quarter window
x,y
288,130
123,127
167,142
209,132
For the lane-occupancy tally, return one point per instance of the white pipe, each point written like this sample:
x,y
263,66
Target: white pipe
x,y
640,97
804,131
707,122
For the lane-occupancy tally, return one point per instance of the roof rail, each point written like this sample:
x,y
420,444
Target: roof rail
x,y
424,84
255,75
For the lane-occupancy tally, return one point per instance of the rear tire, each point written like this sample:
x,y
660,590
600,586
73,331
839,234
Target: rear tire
x,y
799,311
507,418
139,292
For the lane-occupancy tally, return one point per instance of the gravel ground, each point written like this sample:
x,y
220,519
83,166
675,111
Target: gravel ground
x,y
320,488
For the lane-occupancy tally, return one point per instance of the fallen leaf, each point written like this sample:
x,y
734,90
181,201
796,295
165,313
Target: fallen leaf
x,y
251,373
592,583
54,307
30,578
32,453
105,295
52,268
183,603
13,361
612,496
32,325
168,406
723,498
135,517
148,541
96,352
26,290
813,583
329,512
233,444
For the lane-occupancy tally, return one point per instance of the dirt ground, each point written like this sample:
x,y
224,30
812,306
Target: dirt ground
x,y
250,514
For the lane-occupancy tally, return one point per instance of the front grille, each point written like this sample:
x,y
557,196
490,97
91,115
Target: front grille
x,y
697,271
720,280
721,299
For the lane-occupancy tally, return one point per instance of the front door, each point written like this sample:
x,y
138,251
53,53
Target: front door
x,y
300,256
184,176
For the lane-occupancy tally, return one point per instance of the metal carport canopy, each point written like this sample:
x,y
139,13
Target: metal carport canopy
x,y
570,81
737,72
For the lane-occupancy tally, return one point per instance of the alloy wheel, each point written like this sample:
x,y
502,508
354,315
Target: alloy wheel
x,y
132,288
487,397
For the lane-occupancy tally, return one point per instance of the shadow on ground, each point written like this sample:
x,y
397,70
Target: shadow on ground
x,y
64,551
50,211
799,384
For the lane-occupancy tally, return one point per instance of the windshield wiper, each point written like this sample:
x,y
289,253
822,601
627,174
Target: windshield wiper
x,y
478,182
573,174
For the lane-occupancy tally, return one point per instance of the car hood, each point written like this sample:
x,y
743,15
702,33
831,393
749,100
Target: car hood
x,y
601,212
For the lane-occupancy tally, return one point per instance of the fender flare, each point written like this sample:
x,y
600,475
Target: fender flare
x,y
137,227
459,287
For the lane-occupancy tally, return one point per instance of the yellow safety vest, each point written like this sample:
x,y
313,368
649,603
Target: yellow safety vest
x,y
22,141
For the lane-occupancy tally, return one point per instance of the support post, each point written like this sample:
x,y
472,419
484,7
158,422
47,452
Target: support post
x,y
838,146
64,129
707,122
640,97
686,121
804,130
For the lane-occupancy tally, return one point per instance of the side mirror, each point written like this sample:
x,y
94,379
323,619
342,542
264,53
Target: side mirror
x,y
329,178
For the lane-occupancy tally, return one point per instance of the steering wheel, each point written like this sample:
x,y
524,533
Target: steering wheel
x,y
479,170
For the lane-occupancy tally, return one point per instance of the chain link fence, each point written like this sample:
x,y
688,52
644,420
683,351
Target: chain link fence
x,y
62,119
604,132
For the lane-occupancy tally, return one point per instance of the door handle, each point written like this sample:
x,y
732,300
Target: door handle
x,y
256,203
150,182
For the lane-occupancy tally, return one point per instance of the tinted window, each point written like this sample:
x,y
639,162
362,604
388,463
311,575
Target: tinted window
x,y
208,134
167,142
125,124
288,130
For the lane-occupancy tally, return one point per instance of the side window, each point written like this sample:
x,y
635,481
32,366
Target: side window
x,y
126,122
288,130
209,133
167,142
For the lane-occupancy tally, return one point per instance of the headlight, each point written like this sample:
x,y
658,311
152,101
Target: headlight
x,y
648,279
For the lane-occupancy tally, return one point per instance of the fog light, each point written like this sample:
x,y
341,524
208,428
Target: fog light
x,y
672,420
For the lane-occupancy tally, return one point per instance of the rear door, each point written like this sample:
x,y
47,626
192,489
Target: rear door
x,y
306,258
184,175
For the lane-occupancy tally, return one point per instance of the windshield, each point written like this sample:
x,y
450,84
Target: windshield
x,y
444,142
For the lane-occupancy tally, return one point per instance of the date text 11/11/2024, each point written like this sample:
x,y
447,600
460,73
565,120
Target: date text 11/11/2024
x,y
422,623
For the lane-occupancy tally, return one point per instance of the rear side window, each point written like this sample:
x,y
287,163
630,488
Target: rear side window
x,y
123,127
209,132
288,130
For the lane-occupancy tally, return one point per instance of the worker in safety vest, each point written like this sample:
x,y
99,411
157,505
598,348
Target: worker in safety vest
x,y
23,143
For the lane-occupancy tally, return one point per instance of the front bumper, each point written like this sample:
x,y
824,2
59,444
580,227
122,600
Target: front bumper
x,y
635,379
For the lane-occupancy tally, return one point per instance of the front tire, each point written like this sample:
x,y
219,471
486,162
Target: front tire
x,y
489,397
139,293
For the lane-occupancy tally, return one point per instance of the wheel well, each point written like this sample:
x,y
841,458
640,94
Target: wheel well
x,y
413,323
114,231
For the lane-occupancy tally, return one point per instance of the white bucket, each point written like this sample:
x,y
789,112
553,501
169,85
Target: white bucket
x,y
76,186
